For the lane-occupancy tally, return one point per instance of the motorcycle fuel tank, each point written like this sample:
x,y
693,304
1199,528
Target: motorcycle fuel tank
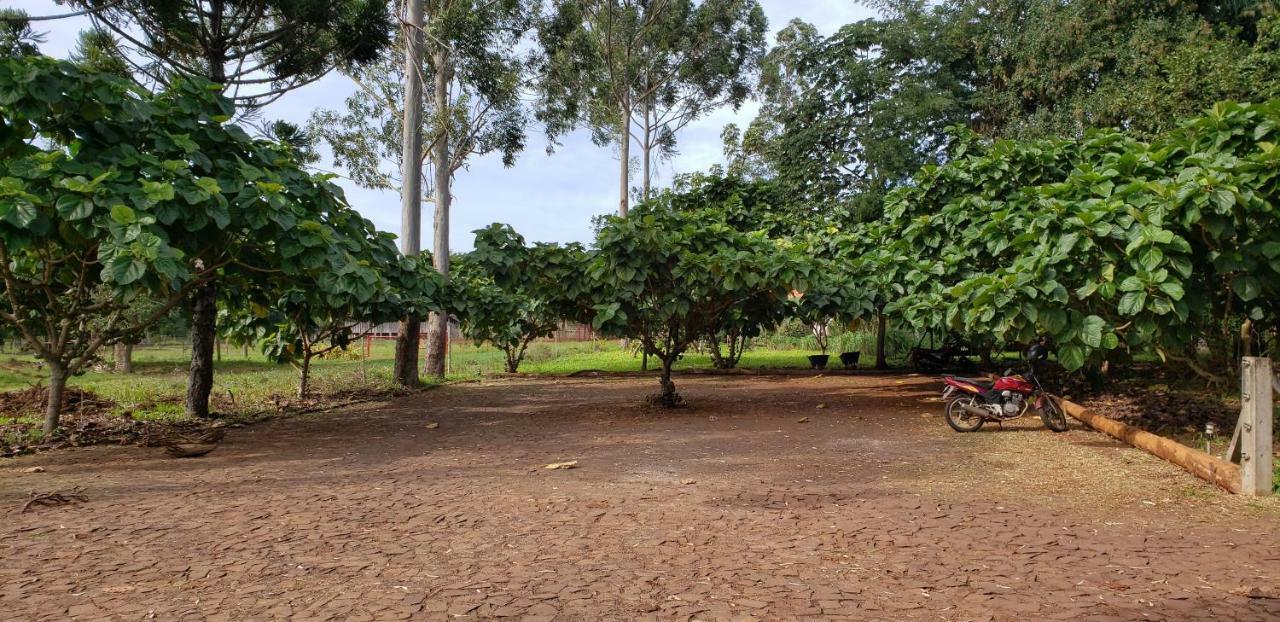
x,y
1013,383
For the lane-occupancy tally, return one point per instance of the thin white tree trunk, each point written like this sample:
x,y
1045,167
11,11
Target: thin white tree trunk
x,y
438,324
647,148
406,363
624,154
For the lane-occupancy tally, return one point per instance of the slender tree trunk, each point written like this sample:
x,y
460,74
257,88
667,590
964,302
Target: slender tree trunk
x,y
406,362
204,301
881,322
407,345
713,346
624,154
305,381
57,387
438,324
123,353
646,149
204,323
669,398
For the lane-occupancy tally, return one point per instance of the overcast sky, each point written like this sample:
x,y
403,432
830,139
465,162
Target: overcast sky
x,y
547,198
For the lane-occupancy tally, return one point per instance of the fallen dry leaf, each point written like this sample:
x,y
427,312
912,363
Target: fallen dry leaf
x,y
433,425
803,420
562,465
35,469
822,405
688,481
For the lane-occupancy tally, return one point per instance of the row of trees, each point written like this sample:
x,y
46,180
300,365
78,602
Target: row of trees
x,y
110,194
1109,245
846,119
631,72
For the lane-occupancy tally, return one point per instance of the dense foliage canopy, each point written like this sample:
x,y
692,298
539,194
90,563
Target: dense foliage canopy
x,y
507,293
111,193
669,278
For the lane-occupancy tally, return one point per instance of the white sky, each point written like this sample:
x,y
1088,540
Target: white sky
x,y
547,198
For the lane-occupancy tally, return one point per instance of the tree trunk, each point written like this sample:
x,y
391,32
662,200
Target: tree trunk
x,y
669,398
624,154
123,353
53,408
881,323
406,365
406,362
204,322
646,149
438,323
737,345
713,346
304,382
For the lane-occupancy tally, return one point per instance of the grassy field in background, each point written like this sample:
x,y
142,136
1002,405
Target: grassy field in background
x,y
246,382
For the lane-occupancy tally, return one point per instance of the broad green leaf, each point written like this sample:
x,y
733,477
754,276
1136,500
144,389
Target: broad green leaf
x,y
1132,303
123,214
1247,287
74,207
1091,331
1172,289
1071,357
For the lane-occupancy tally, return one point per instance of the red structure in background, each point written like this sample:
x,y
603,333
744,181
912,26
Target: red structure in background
x,y
568,331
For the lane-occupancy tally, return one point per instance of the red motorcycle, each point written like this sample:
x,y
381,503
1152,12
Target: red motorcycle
x,y
972,402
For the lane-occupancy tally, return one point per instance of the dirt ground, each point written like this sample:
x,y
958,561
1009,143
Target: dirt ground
x,y
768,498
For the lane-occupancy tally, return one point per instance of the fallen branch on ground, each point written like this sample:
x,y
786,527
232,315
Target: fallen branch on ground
x,y
55,498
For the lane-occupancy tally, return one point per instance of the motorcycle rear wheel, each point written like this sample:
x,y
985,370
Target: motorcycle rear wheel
x,y
959,419
1053,417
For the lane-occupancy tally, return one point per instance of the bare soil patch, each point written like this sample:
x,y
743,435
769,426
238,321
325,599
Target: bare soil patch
x,y
819,497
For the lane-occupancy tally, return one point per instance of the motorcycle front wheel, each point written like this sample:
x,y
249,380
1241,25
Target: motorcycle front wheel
x,y
959,419
1052,416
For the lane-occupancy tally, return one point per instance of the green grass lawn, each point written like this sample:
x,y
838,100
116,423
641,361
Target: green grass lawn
x,y
247,382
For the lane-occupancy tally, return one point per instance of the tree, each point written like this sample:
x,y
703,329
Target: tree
x,y
96,50
826,299
508,294
17,38
1044,68
729,339
257,50
667,278
748,206
137,312
472,107
338,279
140,194
1108,245
873,102
642,70
750,152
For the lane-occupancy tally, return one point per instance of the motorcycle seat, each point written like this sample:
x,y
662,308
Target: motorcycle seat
x,y
977,382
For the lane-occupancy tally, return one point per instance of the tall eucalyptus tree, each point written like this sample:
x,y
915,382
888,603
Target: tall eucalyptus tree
x,y
473,75
640,70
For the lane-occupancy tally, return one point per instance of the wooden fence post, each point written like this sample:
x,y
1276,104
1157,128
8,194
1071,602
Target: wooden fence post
x,y
1255,426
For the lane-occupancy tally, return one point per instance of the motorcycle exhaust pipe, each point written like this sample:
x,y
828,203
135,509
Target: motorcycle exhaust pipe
x,y
981,413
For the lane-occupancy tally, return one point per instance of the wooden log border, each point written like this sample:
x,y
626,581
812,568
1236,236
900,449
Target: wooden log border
x,y
1212,469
